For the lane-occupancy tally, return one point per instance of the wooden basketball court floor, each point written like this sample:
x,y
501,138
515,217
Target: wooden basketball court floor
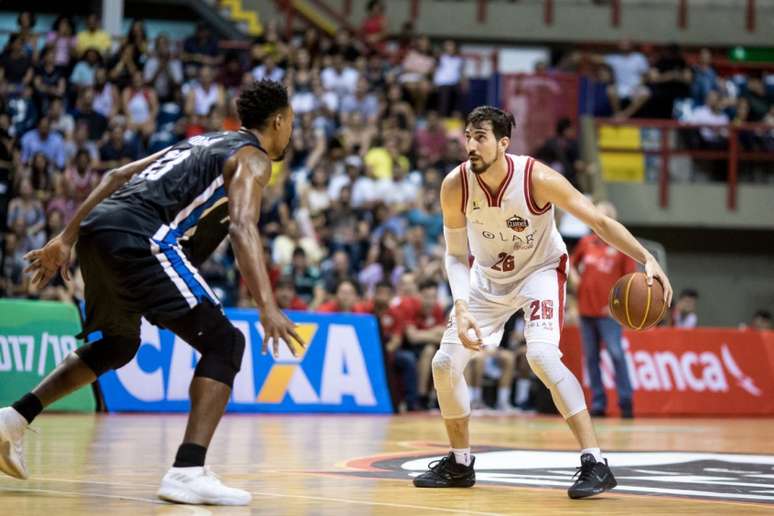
x,y
362,465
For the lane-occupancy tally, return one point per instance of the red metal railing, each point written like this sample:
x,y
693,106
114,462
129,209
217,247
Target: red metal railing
x,y
733,154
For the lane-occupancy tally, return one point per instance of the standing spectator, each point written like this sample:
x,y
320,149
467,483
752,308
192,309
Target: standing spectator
x,y
62,40
26,22
163,71
138,38
199,50
668,80
344,301
85,69
705,79
683,314
141,106
17,65
49,81
51,144
124,64
425,323
374,27
595,268
93,36
448,78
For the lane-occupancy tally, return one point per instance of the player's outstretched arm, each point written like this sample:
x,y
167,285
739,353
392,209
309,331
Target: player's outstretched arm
x,y
549,186
456,260
246,174
55,255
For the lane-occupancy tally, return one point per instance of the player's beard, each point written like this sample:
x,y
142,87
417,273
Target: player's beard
x,y
479,166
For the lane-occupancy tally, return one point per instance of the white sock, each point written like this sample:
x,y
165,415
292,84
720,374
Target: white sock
x,y
522,390
475,394
596,452
503,393
462,456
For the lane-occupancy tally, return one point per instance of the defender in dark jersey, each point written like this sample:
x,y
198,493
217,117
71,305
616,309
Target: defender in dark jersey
x,y
140,235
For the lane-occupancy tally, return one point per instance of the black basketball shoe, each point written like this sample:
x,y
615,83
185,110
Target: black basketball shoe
x,y
447,473
593,478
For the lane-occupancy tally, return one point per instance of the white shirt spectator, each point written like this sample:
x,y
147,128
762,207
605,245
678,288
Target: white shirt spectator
x,y
705,115
628,70
276,74
448,72
368,106
400,193
365,191
341,82
689,320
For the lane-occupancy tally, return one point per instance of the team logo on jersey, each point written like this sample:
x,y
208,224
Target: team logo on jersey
x,y
476,205
704,475
517,224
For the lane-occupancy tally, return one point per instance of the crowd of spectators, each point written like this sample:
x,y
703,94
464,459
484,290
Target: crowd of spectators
x,y
350,220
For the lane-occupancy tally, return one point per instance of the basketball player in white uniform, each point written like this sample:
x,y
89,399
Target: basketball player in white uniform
x,y
499,208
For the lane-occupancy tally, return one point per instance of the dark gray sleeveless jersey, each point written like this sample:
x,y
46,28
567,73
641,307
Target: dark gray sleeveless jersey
x,y
178,195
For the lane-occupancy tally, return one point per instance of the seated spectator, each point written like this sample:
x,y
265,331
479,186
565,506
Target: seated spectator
x,y
711,114
268,70
339,78
26,22
104,95
448,78
62,40
305,277
668,80
345,44
314,197
61,121
344,301
425,324
374,26
40,175
761,321
138,38
23,113
199,50
629,67
381,160
163,71
16,65
495,363
49,81
116,151
431,139
123,65
361,102
27,219
81,141
205,95
355,135
85,114
80,178
285,295
417,68
562,153
286,244
12,264
683,313
93,36
758,100
141,106
42,139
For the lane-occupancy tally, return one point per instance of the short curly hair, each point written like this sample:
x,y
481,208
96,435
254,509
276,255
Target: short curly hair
x,y
260,101
502,121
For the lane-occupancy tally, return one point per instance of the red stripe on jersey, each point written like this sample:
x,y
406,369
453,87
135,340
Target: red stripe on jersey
x,y
561,277
506,182
531,204
464,176
483,186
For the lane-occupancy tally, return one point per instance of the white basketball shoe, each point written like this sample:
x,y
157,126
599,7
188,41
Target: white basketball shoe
x,y
199,486
12,427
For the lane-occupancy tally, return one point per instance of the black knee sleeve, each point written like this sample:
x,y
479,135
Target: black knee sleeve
x,y
208,331
110,352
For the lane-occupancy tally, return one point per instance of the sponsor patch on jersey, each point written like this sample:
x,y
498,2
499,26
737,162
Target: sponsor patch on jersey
x,y
517,224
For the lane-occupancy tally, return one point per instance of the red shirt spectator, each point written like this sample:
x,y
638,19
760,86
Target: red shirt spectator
x,y
599,266
345,300
285,294
374,27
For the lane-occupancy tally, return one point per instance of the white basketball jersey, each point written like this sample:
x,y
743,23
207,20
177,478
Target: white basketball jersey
x,y
509,236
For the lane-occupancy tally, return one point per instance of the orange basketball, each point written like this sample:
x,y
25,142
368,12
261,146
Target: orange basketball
x,y
636,305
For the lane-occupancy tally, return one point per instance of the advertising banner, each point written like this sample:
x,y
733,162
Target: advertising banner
x,y
705,371
34,337
342,369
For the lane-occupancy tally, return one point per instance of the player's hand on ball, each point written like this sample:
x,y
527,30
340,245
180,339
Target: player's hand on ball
x,y
467,329
654,270
276,326
45,262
